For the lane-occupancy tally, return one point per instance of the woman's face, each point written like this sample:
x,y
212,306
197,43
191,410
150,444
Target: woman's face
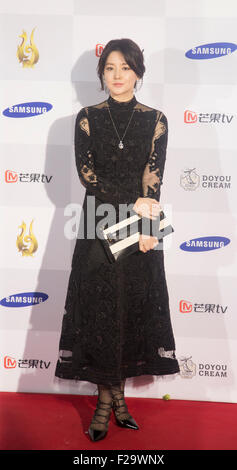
x,y
119,77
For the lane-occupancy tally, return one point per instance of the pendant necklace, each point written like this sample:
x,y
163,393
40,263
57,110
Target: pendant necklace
x,y
120,145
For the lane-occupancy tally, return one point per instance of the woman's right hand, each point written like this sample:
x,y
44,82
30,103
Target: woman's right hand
x,y
147,207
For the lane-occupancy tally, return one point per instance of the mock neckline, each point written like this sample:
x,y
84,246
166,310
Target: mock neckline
x,y
121,104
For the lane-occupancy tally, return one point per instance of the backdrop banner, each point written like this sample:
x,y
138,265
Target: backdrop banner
x,y
49,54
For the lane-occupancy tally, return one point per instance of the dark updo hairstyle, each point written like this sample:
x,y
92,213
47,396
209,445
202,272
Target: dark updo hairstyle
x,y
132,55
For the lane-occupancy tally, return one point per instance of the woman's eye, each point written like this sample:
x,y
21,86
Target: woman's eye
x,y
110,68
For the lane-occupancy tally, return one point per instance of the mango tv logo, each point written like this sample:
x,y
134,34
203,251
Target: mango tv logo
x,y
185,306
24,299
211,51
9,362
205,244
23,110
190,117
99,49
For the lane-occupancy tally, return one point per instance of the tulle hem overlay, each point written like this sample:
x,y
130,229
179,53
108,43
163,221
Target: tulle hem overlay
x,y
160,368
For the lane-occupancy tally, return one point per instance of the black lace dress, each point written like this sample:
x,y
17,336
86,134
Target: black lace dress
x,y
116,322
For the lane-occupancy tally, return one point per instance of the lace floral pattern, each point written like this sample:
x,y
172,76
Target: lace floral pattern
x,y
117,321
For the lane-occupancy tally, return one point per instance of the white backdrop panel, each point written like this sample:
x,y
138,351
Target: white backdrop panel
x,y
54,7
53,39
106,8
43,316
203,307
213,111
48,226
183,34
35,174
202,180
38,129
219,262
201,9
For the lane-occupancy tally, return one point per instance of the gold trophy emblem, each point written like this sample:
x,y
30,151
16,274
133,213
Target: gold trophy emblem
x,y
30,249
27,60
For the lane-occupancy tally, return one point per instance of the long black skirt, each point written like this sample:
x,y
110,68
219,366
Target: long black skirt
x,y
116,322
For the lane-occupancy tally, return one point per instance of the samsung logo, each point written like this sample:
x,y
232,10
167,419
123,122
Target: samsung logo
x,y
22,110
205,244
24,299
211,51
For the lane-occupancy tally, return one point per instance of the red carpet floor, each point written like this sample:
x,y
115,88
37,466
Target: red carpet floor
x,y
60,422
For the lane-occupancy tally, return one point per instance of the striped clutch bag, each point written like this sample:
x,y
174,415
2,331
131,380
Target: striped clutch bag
x,y
122,239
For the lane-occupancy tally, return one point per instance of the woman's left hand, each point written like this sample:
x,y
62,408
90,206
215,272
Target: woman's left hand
x,y
147,207
147,242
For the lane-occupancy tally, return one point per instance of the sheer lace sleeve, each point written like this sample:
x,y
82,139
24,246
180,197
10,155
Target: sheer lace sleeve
x,y
154,169
102,188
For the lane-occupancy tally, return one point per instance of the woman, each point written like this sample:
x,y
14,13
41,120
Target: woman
x,y
117,320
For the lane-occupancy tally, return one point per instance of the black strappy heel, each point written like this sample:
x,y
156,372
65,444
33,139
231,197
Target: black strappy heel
x,y
94,430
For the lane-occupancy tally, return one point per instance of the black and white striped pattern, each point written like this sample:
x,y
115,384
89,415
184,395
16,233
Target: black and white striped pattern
x,y
122,238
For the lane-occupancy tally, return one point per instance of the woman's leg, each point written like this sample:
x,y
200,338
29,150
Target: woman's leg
x,y
120,406
100,421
